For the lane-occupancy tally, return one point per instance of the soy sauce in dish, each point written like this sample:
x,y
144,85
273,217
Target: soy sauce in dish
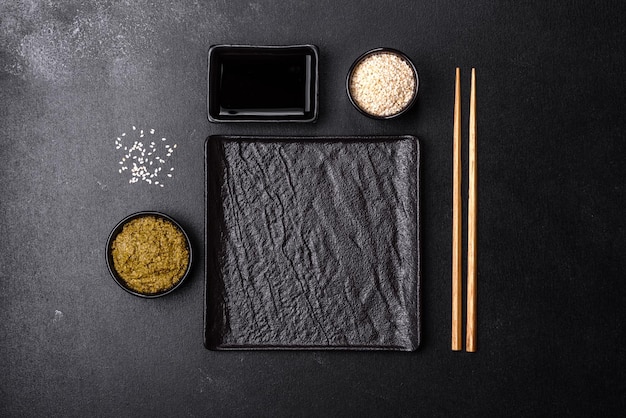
x,y
264,84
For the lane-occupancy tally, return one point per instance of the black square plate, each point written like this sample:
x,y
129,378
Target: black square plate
x,y
262,83
312,243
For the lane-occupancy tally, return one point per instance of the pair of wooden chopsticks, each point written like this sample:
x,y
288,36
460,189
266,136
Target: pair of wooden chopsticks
x,y
457,318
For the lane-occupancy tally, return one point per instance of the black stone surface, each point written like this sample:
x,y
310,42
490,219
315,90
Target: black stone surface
x,y
551,94
312,243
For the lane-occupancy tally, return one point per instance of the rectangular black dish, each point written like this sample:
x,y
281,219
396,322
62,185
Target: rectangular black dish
x,y
262,83
312,243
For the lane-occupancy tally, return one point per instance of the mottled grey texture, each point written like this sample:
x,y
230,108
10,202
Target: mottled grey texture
x,y
551,99
314,243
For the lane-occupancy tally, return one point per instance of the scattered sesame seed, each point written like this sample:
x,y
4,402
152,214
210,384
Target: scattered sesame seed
x,y
143,155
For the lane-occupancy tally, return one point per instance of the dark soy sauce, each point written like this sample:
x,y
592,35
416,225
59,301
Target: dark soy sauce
x,y
265,84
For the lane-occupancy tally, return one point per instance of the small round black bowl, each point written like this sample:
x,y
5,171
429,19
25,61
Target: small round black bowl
x,y
378,51
109,256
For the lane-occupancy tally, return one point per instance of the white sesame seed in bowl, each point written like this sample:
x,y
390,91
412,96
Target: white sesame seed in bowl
x,y
382,83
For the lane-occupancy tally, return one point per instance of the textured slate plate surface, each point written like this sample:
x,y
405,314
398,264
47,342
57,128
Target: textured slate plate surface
x,y
312,243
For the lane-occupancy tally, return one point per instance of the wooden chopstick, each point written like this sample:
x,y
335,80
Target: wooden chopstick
x,y
457,317
470,343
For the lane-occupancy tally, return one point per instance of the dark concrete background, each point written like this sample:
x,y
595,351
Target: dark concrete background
x,y
75,75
